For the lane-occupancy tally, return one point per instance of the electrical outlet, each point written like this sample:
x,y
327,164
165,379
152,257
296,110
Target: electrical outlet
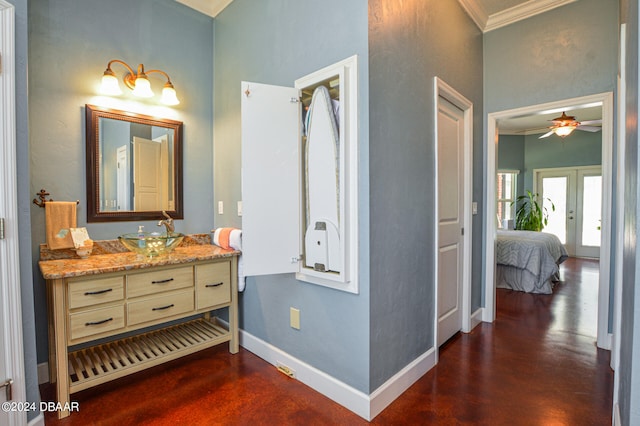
x,y
294,316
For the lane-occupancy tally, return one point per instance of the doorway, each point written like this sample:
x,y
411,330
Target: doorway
x,y
605,100
575,193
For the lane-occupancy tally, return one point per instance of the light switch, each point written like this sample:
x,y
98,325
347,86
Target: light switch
x,y
239,208
220,207
474,207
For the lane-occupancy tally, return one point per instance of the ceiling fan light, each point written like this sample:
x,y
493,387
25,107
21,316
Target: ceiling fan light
x,y
564,131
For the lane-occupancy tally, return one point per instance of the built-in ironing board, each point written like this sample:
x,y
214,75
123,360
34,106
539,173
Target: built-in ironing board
x,y
322,185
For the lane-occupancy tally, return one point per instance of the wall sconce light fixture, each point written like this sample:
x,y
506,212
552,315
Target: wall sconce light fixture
x,y
138,82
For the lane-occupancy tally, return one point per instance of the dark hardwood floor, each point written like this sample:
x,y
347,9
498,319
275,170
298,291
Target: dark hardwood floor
x,y
536,365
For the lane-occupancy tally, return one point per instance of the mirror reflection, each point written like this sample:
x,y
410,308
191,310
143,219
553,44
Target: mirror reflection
x,y
133,165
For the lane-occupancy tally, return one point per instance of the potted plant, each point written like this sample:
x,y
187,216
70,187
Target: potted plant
x,y
531,215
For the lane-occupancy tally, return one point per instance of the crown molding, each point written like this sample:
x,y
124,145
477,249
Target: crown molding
x,y
475,10
506,17
208,7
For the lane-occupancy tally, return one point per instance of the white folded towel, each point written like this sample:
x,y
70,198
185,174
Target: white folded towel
x,y
231,238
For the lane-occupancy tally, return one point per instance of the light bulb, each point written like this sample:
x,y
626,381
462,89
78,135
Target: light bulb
x,y
169,96
564,130
142,87
110,85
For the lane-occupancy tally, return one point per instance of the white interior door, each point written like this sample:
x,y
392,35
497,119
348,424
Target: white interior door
x,y
450,218
147,172
123,182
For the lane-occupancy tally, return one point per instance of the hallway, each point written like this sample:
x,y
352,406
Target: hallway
x,y
536,365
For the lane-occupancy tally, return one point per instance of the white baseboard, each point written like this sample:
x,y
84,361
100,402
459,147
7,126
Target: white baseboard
x,y
617,421
343,394
476,317
43,373
37,421
366,406
400,382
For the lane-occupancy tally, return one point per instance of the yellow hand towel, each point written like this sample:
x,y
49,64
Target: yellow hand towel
x,y
59,217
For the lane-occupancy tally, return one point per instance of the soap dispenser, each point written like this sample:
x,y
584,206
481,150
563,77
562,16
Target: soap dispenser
x,y
141,243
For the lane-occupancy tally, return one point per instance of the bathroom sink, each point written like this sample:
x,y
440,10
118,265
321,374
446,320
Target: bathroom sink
x,y
151,243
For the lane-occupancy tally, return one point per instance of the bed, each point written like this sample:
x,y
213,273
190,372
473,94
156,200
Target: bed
x,y
528,261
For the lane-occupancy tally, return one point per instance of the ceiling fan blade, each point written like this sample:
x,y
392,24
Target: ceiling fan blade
x,y
592,129
589,122
546,135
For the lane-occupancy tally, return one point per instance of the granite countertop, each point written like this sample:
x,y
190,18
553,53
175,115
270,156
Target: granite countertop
x,y
66,266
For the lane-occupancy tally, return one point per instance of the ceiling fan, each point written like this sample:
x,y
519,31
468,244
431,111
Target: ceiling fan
x,y
566,124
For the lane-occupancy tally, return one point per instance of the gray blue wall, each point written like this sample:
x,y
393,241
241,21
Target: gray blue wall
x,y
568,52
276,42
526,153
70,44
411,42
24,206
511,157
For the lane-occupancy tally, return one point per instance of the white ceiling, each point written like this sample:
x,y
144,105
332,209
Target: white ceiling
x,y
539,123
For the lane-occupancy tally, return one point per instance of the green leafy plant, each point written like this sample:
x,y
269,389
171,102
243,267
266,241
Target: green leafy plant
x,y
531,215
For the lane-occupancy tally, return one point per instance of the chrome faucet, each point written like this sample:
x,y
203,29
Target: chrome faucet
x,y
168,223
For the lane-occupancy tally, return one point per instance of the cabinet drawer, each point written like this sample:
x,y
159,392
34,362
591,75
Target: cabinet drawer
x,y
88,292
96,321
213,284
154,282
159,307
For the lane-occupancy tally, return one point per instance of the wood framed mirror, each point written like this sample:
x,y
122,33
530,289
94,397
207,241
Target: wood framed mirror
x,y
134,166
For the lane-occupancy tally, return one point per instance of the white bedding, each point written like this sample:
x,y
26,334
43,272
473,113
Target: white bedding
x,y
528,261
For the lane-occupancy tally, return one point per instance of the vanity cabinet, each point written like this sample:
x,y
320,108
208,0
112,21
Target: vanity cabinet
x,y
114,307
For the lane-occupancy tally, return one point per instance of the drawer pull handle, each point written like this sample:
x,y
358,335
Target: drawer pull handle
x,y
162,308
214,285
162,281
88,324
93,293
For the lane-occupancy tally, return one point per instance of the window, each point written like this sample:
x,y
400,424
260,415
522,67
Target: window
x,y
507,191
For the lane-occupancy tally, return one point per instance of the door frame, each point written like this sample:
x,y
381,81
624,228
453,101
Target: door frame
x,y
442,89
11,312
606,101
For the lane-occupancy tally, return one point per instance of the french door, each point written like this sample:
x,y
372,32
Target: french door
x,y
576,193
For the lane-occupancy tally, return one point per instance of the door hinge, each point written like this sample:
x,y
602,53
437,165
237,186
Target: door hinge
x,y
7,385
1,228
462,231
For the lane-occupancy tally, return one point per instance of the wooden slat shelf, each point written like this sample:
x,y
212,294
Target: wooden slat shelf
x,y
98,364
